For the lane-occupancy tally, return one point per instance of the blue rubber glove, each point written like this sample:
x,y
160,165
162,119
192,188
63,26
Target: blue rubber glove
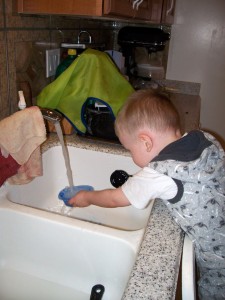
x,y
68,192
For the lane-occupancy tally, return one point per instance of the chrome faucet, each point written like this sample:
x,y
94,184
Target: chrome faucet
x,y
86,33
51,115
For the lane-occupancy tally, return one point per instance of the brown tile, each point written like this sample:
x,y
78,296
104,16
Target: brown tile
x,y
61,35
4,99
64,22
23,53
1,14
26,61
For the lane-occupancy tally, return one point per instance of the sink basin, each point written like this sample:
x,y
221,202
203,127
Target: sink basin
x,y
52,257
89,168
53,252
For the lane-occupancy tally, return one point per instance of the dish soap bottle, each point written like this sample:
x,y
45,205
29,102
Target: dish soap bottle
x,y
72,54
22,103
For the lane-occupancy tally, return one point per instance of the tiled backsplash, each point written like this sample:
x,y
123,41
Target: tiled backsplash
x,y
23,41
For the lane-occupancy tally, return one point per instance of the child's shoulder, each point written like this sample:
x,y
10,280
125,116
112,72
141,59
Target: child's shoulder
x,y
213,140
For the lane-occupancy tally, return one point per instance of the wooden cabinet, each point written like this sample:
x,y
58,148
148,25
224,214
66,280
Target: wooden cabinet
x,y
68,7
168,10
154,11
149,10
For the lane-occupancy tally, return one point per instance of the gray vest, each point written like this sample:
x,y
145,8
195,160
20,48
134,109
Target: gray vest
x,y
196,163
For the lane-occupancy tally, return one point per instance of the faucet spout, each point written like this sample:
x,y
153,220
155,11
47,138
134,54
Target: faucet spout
x,y
51,115
86,33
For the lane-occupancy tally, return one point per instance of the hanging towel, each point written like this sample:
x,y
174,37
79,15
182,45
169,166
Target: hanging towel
x,y
21,135
93,75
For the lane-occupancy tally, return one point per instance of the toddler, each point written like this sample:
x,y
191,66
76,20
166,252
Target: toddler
x,y
186,172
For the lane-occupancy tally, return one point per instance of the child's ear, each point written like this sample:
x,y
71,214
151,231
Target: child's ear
x,y
146,139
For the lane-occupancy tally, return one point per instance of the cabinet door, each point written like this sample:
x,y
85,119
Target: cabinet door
x,y
69,7
168,11
150,10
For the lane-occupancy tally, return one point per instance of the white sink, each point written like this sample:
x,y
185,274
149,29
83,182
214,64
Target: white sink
x,y
52,257
89,168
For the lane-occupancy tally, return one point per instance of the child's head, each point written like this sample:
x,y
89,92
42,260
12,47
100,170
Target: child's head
x,y
146,123
146,108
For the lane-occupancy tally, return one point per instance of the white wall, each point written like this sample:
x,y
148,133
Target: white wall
x,y
197,54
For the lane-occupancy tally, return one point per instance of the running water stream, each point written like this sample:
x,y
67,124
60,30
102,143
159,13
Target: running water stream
x,y
61,208
68,192
65,154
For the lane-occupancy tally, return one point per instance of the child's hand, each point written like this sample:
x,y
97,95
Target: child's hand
x,y
80,200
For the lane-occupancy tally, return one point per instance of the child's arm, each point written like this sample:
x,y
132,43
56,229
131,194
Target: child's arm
x,y
107,198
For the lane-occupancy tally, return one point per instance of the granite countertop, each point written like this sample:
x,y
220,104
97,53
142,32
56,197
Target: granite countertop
x,y
155,273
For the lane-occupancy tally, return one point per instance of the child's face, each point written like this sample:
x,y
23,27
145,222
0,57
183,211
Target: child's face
x,y
137,148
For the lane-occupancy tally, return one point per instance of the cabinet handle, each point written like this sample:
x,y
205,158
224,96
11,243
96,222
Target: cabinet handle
x,y
137,3
168,12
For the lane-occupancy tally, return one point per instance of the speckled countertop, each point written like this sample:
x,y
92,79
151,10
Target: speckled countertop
x,y
155,273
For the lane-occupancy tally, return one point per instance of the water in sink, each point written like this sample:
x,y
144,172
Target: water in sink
x,y
90,168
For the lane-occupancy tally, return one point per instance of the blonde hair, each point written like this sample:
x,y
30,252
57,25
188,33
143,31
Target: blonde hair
x,y
147,108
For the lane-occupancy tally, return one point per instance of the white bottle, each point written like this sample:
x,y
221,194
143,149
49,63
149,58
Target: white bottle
x,y
22,102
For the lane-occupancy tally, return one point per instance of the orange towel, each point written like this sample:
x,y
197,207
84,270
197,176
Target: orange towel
x,y
21,135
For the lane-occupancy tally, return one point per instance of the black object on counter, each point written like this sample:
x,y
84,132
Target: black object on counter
x,y
97,292
153,38
130,37
118,178
100,122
